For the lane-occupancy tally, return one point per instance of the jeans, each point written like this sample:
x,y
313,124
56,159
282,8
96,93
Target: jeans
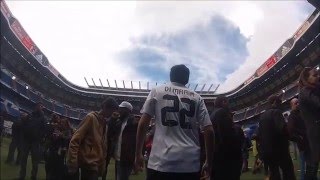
x,y
311,171
302,165
123,171
27,147
283,162
87,174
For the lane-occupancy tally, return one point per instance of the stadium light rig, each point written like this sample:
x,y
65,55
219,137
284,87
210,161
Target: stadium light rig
x,y
317,68
27,87
13,77
283,91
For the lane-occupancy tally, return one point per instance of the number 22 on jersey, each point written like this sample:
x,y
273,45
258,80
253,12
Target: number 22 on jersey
x,y
175,109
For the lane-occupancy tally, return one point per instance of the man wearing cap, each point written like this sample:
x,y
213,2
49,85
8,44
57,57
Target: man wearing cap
x,y
123,146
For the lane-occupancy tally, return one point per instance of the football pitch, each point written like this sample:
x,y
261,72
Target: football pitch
x,y
11,171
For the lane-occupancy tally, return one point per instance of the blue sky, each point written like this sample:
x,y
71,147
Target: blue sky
x,y
222,42
212,50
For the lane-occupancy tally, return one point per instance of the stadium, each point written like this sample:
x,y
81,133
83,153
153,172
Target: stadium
x,y
27,77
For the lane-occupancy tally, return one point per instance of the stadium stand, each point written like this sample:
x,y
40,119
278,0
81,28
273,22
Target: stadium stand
x,y
28,77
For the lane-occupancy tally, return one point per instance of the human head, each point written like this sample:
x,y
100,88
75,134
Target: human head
x,y
108,106
38,107
23,116
55,118
294,103
309,77
274,101
65,124
221,102
179,74
125,108
137,118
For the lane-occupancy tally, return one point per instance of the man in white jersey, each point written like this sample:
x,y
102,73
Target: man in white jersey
x,y
179,115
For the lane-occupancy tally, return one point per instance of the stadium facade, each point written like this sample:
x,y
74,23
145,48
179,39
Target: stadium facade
x,y
28,77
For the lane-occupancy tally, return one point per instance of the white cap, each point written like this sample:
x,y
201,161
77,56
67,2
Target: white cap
x,y
127,105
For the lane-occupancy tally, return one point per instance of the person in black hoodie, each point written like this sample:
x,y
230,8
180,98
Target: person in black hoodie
x,y
227,155
297,133
16,140
309,99
274,141
32,134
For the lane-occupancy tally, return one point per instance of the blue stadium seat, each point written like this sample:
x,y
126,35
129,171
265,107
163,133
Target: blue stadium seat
x,y
59,109
47,104
7,94
21,89
34,97
12,111
3,107
82,115
251,112
6,78
73,113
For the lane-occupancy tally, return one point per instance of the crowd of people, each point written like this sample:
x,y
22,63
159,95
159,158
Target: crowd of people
x,y
175,137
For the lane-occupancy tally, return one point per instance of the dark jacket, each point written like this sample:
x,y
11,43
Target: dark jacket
x,y
128,142
228,138
273,134
309,100
16,129
33,127
297,130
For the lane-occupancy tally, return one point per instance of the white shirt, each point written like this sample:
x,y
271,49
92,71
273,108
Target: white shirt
x,y
117,153
179,113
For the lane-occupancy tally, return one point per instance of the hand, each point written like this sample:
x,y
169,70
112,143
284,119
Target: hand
x,y
205,172
138,163
72,170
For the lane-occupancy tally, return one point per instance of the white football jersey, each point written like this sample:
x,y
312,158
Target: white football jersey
x,y
179,114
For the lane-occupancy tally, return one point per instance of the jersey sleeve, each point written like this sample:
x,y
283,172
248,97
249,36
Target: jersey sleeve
x,y
149,105
203,115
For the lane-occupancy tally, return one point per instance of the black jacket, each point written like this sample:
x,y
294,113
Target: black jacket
x,y
228,138
33,128
273,134
297,130
309,100
128,142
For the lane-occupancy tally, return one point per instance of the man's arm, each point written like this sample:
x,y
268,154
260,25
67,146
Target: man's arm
x,y
75,142
209,143
141,135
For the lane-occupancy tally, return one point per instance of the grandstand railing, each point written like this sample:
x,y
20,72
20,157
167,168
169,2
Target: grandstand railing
x,y
41,58
28,97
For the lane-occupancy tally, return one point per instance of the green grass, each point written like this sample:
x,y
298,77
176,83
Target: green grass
x,y
9,172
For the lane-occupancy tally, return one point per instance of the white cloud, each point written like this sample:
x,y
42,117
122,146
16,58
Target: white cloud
x,y
278,24
83,38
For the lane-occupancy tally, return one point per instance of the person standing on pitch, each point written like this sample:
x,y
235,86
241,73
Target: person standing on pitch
x,y
274,141
309,104
179,113
88,146
32,133
124,151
